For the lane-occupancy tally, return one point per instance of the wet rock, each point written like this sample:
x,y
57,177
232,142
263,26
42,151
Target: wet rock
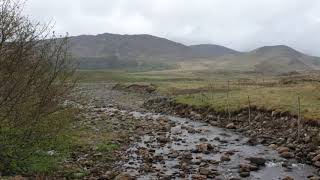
x,y
217,138
163,139
259,161
247,168
287,155
204,148
231,126
225,157
252,141
204,171
244,174
203,139
186,156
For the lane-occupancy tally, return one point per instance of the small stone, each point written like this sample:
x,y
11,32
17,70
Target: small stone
x,y
205,147
225,157
231,126
204,171
203,139
163,139
244,174
273,146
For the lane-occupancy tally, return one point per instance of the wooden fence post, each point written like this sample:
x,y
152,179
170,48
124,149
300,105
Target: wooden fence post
x,y
249,111
299,118
228,106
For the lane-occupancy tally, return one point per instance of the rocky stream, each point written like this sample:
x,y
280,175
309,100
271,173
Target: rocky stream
x,y
165,146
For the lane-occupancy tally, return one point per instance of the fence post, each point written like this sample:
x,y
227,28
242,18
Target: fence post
x,y
249,111
228,107
299,118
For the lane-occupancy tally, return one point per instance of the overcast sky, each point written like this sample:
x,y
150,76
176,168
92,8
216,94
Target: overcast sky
x,y
239,24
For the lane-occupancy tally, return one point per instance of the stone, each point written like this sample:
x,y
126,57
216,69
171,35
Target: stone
x,y
244,174
203,139
204,171
231,126
259,161
225,157
287,155
273,146
283,149
205,147
163,139
247,168
317,164
316,158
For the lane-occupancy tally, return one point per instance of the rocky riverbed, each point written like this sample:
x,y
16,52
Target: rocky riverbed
x,y
155,145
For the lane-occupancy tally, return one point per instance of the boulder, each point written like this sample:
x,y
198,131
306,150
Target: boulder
x,y
283,149
287,155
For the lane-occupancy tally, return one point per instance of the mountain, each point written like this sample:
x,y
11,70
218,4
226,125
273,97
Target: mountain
x,y
270,59
211,51
116,51
147,52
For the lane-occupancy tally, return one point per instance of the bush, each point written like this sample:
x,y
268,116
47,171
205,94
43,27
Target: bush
x,y
35,80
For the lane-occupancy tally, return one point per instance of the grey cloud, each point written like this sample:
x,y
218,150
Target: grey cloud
x,y
239,24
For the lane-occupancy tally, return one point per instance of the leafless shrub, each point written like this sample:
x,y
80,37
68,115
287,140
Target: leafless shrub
x,y
35,78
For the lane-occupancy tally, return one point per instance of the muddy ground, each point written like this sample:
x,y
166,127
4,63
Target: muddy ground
x,y
162,145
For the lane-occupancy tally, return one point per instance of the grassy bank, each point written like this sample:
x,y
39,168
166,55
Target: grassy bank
x,y
279,98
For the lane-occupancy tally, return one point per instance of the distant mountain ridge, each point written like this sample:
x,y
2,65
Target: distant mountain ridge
x,y
141,47
124,51
272,59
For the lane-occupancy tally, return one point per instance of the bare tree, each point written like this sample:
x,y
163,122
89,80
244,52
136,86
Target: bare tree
x,y
35,79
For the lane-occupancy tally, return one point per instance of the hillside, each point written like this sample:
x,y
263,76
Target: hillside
x,y
269,59
211,51
123,51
